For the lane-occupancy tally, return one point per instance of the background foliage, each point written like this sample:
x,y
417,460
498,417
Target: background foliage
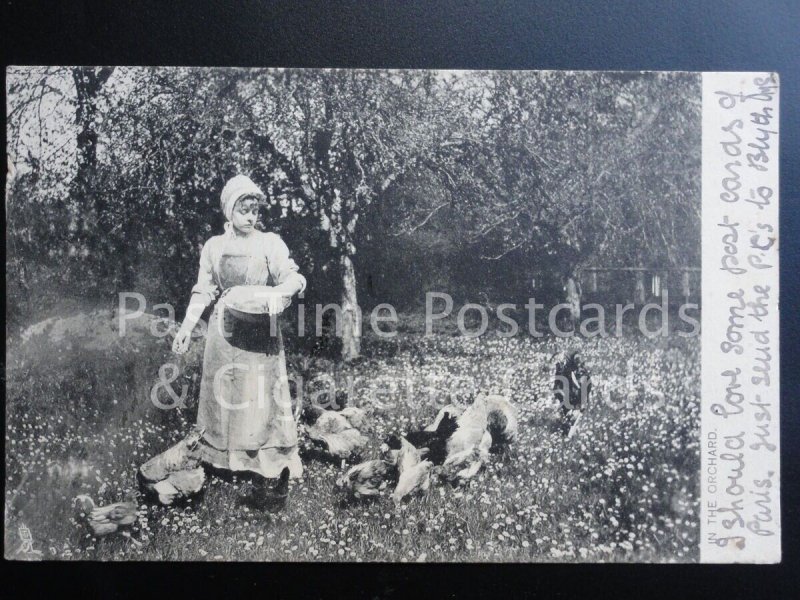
x,y
469,183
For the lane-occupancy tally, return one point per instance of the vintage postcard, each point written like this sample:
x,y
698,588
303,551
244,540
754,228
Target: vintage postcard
x,y
391,315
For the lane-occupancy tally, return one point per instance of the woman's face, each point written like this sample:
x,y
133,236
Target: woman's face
x,y
245,214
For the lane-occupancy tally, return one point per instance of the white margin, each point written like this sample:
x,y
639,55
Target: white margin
x,y
740,448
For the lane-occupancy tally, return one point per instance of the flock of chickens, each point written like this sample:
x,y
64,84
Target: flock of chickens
x,y
452,448
172,475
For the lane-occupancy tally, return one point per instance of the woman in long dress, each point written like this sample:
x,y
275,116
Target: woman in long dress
x,y
245,408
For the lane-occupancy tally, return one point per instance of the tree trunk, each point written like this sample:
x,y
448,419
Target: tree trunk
x,y
573,298
88,82
638,290
351,313
93,203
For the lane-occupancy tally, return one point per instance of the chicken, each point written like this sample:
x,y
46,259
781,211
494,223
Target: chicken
x,y
179,485
414,473
183,455
334,433
342,444
104,520
366,479
464,465
413,479
357,417
175,473
451,409
471,427
389,455
409,456
503,422
434,441
326,421
266,497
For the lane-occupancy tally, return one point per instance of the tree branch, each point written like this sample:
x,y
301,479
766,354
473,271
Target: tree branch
x,y
421,223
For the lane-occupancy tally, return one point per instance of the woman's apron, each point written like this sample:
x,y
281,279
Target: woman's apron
x,y
245,405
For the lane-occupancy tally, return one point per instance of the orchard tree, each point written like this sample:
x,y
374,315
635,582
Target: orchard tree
x,y
340,140
53,117
572,169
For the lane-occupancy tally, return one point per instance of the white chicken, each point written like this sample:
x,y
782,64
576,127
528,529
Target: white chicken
x,y
328,421
176,472
409,455
413,479
414,474
183,455
489,413
334,432
339,445
180,484
464,465
471,427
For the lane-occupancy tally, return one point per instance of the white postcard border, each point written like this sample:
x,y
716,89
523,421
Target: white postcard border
x,y
740,449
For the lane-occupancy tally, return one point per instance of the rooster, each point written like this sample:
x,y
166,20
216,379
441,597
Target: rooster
x,y
104,520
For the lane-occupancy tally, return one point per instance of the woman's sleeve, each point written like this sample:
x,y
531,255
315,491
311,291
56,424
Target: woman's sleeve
x,y
205,289
284,269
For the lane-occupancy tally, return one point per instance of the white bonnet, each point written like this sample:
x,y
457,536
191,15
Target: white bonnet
x,y
238,187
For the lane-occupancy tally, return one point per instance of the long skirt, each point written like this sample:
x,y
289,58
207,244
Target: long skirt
x,y
245,406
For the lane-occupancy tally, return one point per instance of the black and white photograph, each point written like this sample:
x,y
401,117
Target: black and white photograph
x,y
360,315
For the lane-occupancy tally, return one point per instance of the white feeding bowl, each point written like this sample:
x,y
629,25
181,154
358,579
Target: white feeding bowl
x,y
252,300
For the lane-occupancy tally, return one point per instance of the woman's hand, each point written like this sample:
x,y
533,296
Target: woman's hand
x,y
181,342
275,304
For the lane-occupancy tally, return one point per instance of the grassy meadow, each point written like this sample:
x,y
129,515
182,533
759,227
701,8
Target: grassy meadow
x,y
80,419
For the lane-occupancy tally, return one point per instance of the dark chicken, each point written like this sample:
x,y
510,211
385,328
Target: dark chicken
x,y
434,441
